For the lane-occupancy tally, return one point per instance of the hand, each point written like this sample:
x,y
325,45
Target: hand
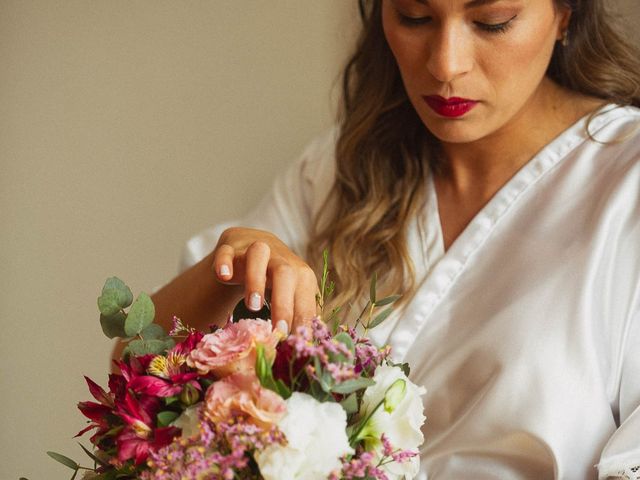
x,y
259,261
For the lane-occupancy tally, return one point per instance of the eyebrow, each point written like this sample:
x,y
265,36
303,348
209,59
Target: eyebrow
x,y
471,4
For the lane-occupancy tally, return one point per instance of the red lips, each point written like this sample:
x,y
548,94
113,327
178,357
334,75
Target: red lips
x,y
449,107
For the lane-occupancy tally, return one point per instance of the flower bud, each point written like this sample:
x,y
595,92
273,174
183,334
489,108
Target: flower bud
x,y
189,395
394,395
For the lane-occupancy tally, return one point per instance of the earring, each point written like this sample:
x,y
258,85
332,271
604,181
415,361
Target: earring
x,y
564,41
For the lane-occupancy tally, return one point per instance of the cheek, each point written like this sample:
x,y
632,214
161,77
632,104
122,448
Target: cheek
x,y
407,47
520,60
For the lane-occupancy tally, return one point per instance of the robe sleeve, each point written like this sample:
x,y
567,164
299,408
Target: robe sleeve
x,y
287,210
621,456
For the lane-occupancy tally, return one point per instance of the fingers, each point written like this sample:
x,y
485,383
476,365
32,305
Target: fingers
x,y
305,297
256,263
258,260
223,262
282,295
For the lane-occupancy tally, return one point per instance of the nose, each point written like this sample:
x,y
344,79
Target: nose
x,y
450,55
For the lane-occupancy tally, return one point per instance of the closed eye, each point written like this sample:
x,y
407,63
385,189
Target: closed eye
x,y
496,27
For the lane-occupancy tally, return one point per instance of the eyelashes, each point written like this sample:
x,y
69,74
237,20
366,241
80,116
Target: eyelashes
x,y
502,27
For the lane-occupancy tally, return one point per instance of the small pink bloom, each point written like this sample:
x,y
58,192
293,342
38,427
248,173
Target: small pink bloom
x,y
241,394
232,349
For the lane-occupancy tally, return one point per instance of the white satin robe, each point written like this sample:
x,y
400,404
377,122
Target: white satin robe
x,y
526,331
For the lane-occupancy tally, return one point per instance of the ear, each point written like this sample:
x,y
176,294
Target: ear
x,y
564,16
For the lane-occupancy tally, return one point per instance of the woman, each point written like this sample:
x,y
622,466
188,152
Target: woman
x,y
486,165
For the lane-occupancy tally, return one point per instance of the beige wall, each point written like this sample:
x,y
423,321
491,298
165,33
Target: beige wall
x,y
629,12
126,126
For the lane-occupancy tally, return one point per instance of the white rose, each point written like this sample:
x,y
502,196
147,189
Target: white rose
x,y
401,421
317,439
189,421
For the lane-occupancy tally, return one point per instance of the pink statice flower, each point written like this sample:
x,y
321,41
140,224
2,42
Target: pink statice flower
x,y
316,341
363,465
232,349
219,452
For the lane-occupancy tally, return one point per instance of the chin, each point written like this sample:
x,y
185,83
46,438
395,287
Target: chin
x,y
454,131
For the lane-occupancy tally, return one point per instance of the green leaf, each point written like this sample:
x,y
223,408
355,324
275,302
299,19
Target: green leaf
x,y
66,461
113,325
387,300
153,332
115,296
169,400
283,390
93,457
108,302
346,340
114,283
381,317
404,367
350,404
326,381
166,417
145,347
351,386
372,287
341,358
169,343
140,315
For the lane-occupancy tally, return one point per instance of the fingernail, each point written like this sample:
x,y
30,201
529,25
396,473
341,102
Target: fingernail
x,y
224,271
255,302
283,326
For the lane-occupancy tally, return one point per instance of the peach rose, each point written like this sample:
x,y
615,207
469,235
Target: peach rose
x,y
232,349
242,394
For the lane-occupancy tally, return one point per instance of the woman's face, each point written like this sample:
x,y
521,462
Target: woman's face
x,y
470,67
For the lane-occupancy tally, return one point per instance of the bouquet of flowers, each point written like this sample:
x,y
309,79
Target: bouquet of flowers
x,y
247,402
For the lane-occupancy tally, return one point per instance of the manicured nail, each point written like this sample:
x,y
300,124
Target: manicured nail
x,y
224,271
283,326
255,301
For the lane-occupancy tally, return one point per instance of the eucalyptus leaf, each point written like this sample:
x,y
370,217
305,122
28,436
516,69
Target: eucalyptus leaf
x,y
387,300
326,381
166,417
153,332
346,340
350,404
169,343
351,386
372,287
114,283
140,315
66,461
145,347
113,325
381,317
109,302
93,457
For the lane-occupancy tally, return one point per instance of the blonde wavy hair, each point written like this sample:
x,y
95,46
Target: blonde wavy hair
x,y
384,153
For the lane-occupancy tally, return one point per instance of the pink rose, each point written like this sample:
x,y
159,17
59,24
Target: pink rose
x,y
232,349
242,394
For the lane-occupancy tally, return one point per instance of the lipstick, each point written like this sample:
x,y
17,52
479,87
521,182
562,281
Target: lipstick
x,y
449,107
